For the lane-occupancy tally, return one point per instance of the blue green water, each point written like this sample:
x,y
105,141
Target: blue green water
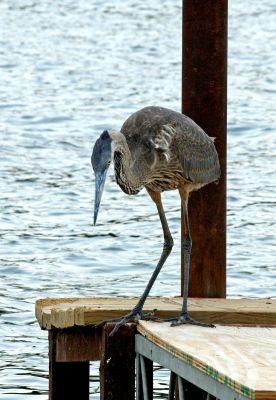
x,y
69,69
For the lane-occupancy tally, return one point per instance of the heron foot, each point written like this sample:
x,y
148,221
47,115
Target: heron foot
x,y
131,316
175,321
134,315
186,319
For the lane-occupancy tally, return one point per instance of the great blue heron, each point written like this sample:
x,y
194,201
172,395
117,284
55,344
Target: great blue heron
x,y
158,149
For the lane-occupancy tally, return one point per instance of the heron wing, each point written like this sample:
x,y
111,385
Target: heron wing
x,y
196,153
178,137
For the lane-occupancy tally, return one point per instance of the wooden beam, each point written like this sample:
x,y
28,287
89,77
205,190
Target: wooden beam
x,y
204,99
117,368
78,344
66,313
67,380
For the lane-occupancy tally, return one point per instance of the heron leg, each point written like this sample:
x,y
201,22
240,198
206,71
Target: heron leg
x,y
136,313
184,317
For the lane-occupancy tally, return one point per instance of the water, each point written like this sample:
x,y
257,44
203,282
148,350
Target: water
x,y
68,70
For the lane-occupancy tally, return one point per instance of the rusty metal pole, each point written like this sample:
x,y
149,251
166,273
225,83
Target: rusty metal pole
x,y
204,99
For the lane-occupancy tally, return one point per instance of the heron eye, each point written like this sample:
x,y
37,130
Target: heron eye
x,y
108,162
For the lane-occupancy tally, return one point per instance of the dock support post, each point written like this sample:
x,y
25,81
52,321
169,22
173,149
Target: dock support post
x,y
144,378
117,368
180,389
193,392
67,380
172,385
204,99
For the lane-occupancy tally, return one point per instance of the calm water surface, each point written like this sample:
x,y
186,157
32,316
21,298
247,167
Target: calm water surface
x,y
69,69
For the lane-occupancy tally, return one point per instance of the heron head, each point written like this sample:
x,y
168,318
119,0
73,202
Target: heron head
x,y
100,160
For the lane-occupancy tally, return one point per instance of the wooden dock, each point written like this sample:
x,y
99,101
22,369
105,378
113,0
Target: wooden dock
x,y
232,358
227,362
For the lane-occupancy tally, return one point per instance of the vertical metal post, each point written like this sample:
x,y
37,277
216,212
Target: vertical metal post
x,y
147,377
192,391
181,388
172,386
144,379
139,383
204,99
210,397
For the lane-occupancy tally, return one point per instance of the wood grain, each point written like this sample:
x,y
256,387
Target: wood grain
x,y
69,312
243,358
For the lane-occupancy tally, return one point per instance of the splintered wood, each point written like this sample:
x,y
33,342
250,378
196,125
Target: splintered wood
x,y
242,358
66,313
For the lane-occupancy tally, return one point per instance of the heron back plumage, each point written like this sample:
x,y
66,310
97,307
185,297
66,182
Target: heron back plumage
x,y
167,147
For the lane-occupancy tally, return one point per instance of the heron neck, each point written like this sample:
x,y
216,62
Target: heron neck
x,y
125,174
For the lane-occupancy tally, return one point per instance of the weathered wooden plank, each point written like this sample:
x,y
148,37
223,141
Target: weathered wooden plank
x,y
78,344
67,380
65,313
242,358
117,368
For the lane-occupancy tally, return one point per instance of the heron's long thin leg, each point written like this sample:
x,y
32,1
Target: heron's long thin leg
x,y
167,248
168,244
187,248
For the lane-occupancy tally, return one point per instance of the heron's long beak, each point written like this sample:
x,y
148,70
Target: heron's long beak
x,y
99,182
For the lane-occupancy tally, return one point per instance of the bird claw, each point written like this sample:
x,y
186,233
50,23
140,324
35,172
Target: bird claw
x,y
137,315
186,319
134,315
181,320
